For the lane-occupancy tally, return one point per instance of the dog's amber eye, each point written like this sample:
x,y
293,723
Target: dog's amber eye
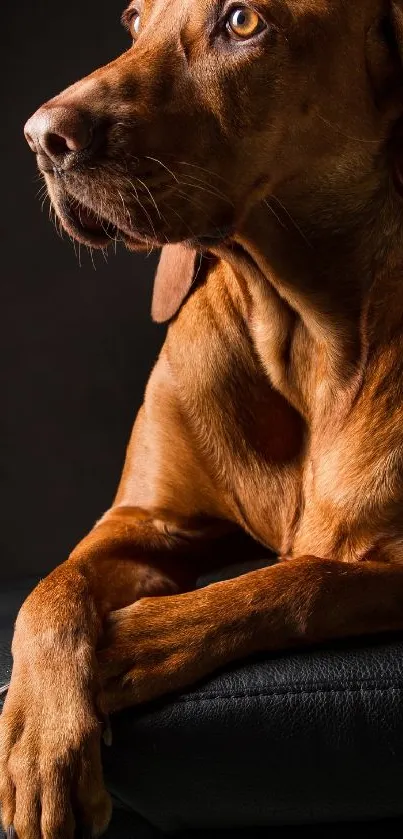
x,y
244,23
135,24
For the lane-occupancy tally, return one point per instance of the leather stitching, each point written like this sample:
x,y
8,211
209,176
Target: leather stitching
x,y
290,692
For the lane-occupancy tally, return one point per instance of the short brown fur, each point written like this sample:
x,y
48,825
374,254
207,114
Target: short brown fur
x,y
273,171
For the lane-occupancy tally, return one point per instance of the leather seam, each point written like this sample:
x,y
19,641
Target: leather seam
x,y
290,692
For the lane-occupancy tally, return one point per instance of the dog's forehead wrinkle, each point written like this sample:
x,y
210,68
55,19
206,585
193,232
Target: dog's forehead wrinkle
x,y
169,12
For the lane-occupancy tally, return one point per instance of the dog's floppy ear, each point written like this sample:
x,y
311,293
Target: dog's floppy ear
x,y
178,269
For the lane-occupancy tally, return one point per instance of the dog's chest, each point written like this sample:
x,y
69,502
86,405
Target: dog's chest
x,y
353,487
351,481
327,493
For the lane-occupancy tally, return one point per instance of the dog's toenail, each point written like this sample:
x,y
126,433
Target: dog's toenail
x,y
11,834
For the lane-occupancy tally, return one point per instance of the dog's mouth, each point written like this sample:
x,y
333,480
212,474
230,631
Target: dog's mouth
x,y
85,225
91,228
94,229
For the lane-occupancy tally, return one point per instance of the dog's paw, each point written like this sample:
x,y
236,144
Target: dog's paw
x,y
154,647
51,784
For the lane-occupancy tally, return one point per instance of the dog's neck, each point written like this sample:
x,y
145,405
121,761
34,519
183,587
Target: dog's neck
x,y
325,255
337,266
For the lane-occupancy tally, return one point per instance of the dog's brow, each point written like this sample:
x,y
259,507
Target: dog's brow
x,y
281,11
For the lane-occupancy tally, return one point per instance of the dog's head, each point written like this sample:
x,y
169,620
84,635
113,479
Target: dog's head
x,y
216,105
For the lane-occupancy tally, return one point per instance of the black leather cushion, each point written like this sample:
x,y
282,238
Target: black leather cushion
x,y
315,737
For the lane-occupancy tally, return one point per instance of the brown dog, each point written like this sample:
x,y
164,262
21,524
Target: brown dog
x,y
267,140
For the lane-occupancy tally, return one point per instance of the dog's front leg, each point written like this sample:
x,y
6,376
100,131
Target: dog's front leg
x,y
51,727
166,517
156,647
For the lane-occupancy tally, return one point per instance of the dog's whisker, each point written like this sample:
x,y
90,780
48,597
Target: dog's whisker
x,y
342,133
107,233
53,218
194,166
160,215
150,194
191,200
44,200
198,270
43,190
217,192
208,191
292,220
103,215
91,252
155,160
136,196
202,169
197,183
276,216
172,210
126,211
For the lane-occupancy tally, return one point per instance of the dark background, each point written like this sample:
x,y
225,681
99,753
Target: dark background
x,y
77,344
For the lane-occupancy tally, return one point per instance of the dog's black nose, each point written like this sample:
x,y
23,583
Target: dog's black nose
x,y
56,131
